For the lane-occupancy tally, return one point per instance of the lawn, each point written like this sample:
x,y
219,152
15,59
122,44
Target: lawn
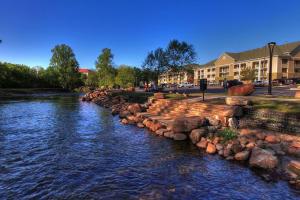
x,y
277,105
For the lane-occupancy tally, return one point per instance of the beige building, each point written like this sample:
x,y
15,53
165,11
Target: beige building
x,y
286,64
184,76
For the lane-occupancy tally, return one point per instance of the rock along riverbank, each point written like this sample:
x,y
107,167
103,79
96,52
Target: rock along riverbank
x,y
212,128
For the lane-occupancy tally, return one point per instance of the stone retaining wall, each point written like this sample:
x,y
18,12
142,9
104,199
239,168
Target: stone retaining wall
x,y
271,120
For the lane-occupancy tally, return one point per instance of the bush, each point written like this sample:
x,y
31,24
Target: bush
x,y
228,134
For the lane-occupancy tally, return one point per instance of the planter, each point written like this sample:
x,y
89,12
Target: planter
x,y
241,90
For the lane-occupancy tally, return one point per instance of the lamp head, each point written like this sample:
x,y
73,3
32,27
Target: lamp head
x,y
271,44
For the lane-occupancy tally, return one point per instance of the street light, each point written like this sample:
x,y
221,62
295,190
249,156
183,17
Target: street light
x,y
271,46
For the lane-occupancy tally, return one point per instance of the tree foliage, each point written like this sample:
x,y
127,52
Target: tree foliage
x,y
92,80
156,62
64,62
105,70
22,76
125,76
179,54
174,58
248,74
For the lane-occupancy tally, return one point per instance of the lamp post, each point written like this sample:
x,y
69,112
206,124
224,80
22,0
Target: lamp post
x,y
271,46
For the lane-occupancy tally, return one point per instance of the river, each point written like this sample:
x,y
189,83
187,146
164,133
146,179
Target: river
x,y
60,148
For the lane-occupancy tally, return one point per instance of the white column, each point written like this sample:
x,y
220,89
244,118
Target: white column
x,y
239,72
259,68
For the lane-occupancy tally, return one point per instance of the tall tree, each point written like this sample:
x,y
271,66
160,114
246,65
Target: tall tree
x,y
125,76
179,54
64,62
248,74
156,62
105,69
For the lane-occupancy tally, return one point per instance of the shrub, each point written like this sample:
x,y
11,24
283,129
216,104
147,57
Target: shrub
x,y
228,134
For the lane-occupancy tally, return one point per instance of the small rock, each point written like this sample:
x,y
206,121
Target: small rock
x,y
124,121
250,145
202,144
236,148
179,136
169,134
196,134
221,153
140,125
124,113
230,158
243,155
161,131
219,147
294,166
211,148
262,158
272,139
216,140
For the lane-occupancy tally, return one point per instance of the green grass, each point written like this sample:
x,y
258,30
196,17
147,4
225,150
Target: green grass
x,y
175,96
279,106
228,134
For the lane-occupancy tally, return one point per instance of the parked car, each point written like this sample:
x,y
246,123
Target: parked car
x,y
189,85
259,84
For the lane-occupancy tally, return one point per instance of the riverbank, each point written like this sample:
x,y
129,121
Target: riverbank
x,y
23,92
215,129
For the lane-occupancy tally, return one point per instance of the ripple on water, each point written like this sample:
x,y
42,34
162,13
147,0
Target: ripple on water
x,y
61,148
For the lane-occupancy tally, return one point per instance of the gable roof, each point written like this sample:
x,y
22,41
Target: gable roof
x,y
279,50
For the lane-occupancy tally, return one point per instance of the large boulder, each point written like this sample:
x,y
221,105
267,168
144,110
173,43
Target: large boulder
x,y
262,158
187,124
236,101
179,136
134,108
196,134
241,90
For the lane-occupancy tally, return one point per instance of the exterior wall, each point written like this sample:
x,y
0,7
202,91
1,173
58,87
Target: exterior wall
x,y
175,78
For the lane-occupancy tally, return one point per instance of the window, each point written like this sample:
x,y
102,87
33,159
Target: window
x,y
284,61
284,70
208,76
213,69
208,70
236,66
236,73
198,73
297,70
297,62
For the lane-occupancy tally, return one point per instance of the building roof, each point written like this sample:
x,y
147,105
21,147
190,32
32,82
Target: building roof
x,y
279,50
84,70
209,64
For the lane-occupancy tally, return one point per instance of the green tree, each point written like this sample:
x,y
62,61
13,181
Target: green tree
x,y
63,60
105,70
179,54
156,62
248,74
92,80
125,76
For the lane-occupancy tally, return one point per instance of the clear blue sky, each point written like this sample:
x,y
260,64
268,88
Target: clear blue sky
x,y
131,28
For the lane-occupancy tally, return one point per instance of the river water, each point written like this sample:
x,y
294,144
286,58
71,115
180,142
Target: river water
x,y
61,148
